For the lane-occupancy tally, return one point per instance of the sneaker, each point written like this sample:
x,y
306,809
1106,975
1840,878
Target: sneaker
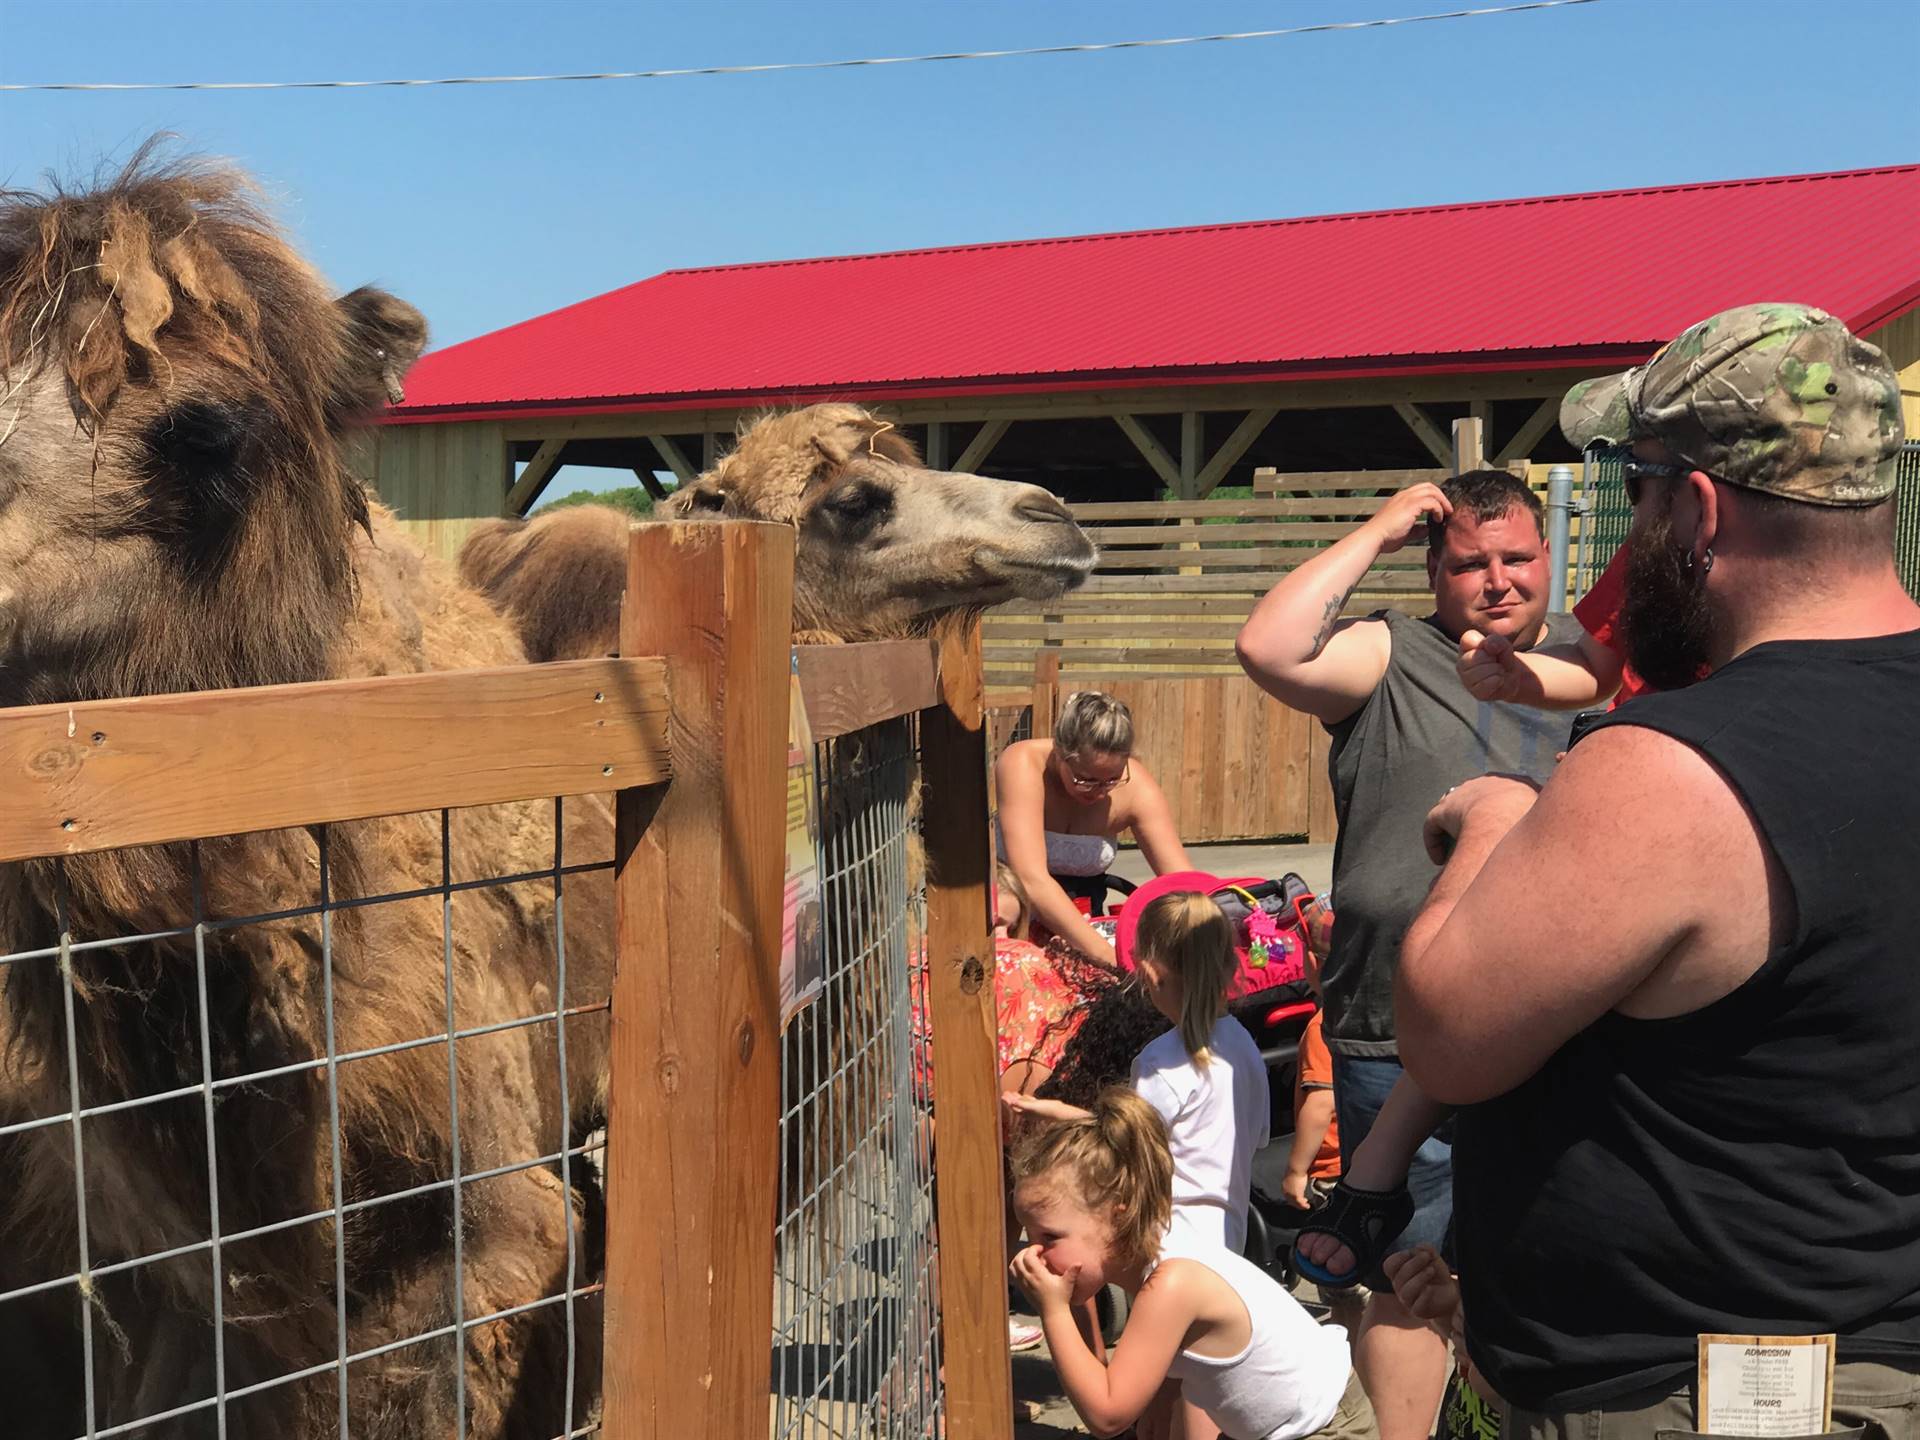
x,y
1022,1337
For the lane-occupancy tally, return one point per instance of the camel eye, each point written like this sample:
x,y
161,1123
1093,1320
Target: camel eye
x,y
859,502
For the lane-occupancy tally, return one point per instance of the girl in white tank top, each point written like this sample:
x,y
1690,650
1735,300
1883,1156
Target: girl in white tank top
x,y
1096,1197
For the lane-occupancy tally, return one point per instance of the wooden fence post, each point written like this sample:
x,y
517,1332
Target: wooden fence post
x,y
966,1080
692,1154
1469,444
1046,693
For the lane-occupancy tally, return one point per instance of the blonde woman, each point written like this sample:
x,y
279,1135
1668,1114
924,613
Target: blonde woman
x,y
1063,802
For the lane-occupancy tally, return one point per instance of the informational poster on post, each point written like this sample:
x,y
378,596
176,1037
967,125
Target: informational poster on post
x,y
803,938
1768,1385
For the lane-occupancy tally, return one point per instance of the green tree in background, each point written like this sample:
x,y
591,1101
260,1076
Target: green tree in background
x,y
628,497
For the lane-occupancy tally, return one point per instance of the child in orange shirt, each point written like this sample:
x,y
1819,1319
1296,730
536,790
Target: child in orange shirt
x,y
1313,1165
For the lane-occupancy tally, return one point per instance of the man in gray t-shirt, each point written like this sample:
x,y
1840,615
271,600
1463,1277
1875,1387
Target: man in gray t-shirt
x,y
1405,730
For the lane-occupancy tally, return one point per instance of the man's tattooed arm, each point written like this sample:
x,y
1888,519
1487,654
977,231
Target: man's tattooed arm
x,y
1331,617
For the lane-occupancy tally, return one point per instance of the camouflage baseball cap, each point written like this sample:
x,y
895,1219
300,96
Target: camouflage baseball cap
x,y
1781,398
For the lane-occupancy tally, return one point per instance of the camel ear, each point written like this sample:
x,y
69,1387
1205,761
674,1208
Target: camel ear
x,y
835,448
384,336
700,501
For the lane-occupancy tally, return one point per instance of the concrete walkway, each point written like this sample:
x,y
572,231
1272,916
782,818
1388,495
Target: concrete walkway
x,y
1312,863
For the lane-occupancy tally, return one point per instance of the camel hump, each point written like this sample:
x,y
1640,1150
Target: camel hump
x,y
558,578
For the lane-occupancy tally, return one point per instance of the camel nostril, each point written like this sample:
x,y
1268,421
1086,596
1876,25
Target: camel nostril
x,y
1043,509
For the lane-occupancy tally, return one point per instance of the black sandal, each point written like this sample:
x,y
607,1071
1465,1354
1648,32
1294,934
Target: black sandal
x,y
1365,1221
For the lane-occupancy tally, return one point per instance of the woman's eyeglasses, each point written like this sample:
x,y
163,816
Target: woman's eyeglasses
x,y
1093,784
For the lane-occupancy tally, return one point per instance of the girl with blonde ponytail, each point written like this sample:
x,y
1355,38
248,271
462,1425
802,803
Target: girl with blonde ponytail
x,y
1095,1194
1205,1076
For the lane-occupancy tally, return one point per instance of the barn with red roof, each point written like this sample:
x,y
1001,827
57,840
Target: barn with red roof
x,y
1126,366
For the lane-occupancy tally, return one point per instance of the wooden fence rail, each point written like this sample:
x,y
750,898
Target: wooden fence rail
x,y
689,736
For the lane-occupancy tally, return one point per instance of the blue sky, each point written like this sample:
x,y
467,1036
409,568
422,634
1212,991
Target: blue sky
x,y
485,205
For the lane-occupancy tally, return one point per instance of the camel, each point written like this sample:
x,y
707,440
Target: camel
x,y
885,548
176,513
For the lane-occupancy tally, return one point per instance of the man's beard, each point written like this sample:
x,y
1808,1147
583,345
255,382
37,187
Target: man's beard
x,y
1664,616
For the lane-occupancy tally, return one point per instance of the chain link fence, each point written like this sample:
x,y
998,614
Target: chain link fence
x,y
856,1345
1606,516
1906,534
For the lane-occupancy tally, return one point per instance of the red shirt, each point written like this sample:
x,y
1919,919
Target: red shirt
x,y
1598,612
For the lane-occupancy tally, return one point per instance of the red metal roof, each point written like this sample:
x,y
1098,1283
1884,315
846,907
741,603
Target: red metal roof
x,y
1562,280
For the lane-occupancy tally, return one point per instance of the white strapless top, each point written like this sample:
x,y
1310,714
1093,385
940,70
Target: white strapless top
x,y
1071,854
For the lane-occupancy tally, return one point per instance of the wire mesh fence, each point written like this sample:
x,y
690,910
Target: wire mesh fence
x,y
856,1347
296,1132
1605,514
1906,538
1608,515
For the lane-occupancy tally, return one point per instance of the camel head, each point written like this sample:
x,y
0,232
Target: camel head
x,y
885,546
176,387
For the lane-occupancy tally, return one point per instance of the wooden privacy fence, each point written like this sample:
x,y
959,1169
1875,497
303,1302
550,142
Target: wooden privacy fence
x,y
630,977
1235,763
1156,623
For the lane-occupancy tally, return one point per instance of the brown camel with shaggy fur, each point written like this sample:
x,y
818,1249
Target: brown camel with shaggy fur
x,y
176,514
885,548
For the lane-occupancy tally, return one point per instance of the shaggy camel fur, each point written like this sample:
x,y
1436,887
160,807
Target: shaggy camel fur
x,y
885,547
176,514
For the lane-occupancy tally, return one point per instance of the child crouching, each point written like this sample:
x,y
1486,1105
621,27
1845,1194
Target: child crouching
x,y
1096,1196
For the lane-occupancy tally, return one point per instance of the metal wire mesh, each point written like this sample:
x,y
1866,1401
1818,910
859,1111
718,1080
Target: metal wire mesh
x,y
238,1201
856,1348
1906,535
1605,514
1608,515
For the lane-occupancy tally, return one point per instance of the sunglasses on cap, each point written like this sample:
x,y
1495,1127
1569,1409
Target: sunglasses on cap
x,y
1634,470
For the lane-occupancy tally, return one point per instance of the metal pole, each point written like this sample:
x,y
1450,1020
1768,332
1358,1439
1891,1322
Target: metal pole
x,y
1559,507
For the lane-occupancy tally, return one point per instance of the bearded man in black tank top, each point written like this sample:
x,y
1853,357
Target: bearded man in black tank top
x,y
1676,990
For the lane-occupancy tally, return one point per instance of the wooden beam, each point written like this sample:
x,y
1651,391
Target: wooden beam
x,y
676,459
693,1120
1262,507
1543,419
1192,440
650,483
1076,404
1429,434
533,479
1155,453
936,444
1046,692
106,773
966,1082
980,446
1469,445
849,687
1228,455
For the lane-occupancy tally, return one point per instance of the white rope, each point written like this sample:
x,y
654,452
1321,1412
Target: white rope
x,y
810,64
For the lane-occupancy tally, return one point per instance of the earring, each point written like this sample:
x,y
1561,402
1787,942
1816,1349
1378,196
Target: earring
x,y
1706,563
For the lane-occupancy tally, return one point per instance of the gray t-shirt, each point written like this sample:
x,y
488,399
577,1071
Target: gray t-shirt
x,y
1419,734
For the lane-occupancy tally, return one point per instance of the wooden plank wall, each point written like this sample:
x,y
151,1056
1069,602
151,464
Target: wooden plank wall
x,y
1177,577
1235,763
1155,625
441,478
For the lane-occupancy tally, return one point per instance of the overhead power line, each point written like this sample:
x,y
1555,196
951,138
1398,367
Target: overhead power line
x,y
806,64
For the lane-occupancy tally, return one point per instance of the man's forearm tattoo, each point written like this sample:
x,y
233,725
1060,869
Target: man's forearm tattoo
x,y
1331,617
